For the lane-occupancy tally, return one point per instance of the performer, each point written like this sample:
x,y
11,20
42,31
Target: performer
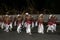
x,y
28,23
6,23
50,23
40,23
19,23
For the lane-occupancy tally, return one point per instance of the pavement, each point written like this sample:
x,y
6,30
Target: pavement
x,y
13,35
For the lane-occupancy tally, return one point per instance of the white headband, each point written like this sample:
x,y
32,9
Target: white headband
x,y
27,13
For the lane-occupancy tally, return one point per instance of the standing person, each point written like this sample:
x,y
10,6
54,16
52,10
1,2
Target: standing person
x,y
7,22
28,23
50,23
19,23
40,24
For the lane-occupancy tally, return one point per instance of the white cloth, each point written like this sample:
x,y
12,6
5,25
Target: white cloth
x,y
32,24
40,28
36,24
28,29
6,27
25,24
54,25
22,22
2,25
19,28
50,27
15,23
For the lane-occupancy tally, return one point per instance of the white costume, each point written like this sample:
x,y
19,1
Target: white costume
x,y
41,28
51,25
7,24
19,24
28,23
40,24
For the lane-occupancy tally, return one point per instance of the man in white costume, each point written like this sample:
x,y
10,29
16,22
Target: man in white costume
x,y
7,23
40,23
19,23
28,23
51,23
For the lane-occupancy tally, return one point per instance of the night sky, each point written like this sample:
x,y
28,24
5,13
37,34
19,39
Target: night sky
x,y
38,4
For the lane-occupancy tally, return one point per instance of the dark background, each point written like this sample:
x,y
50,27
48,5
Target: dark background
x,y
37,4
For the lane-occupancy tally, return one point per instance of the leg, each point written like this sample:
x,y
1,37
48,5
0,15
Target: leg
x,y
6,28
36,24
32,24
15,23
19,28
10,26
54,27
49,28
42,28
25,24
2,25
39,28
28,29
